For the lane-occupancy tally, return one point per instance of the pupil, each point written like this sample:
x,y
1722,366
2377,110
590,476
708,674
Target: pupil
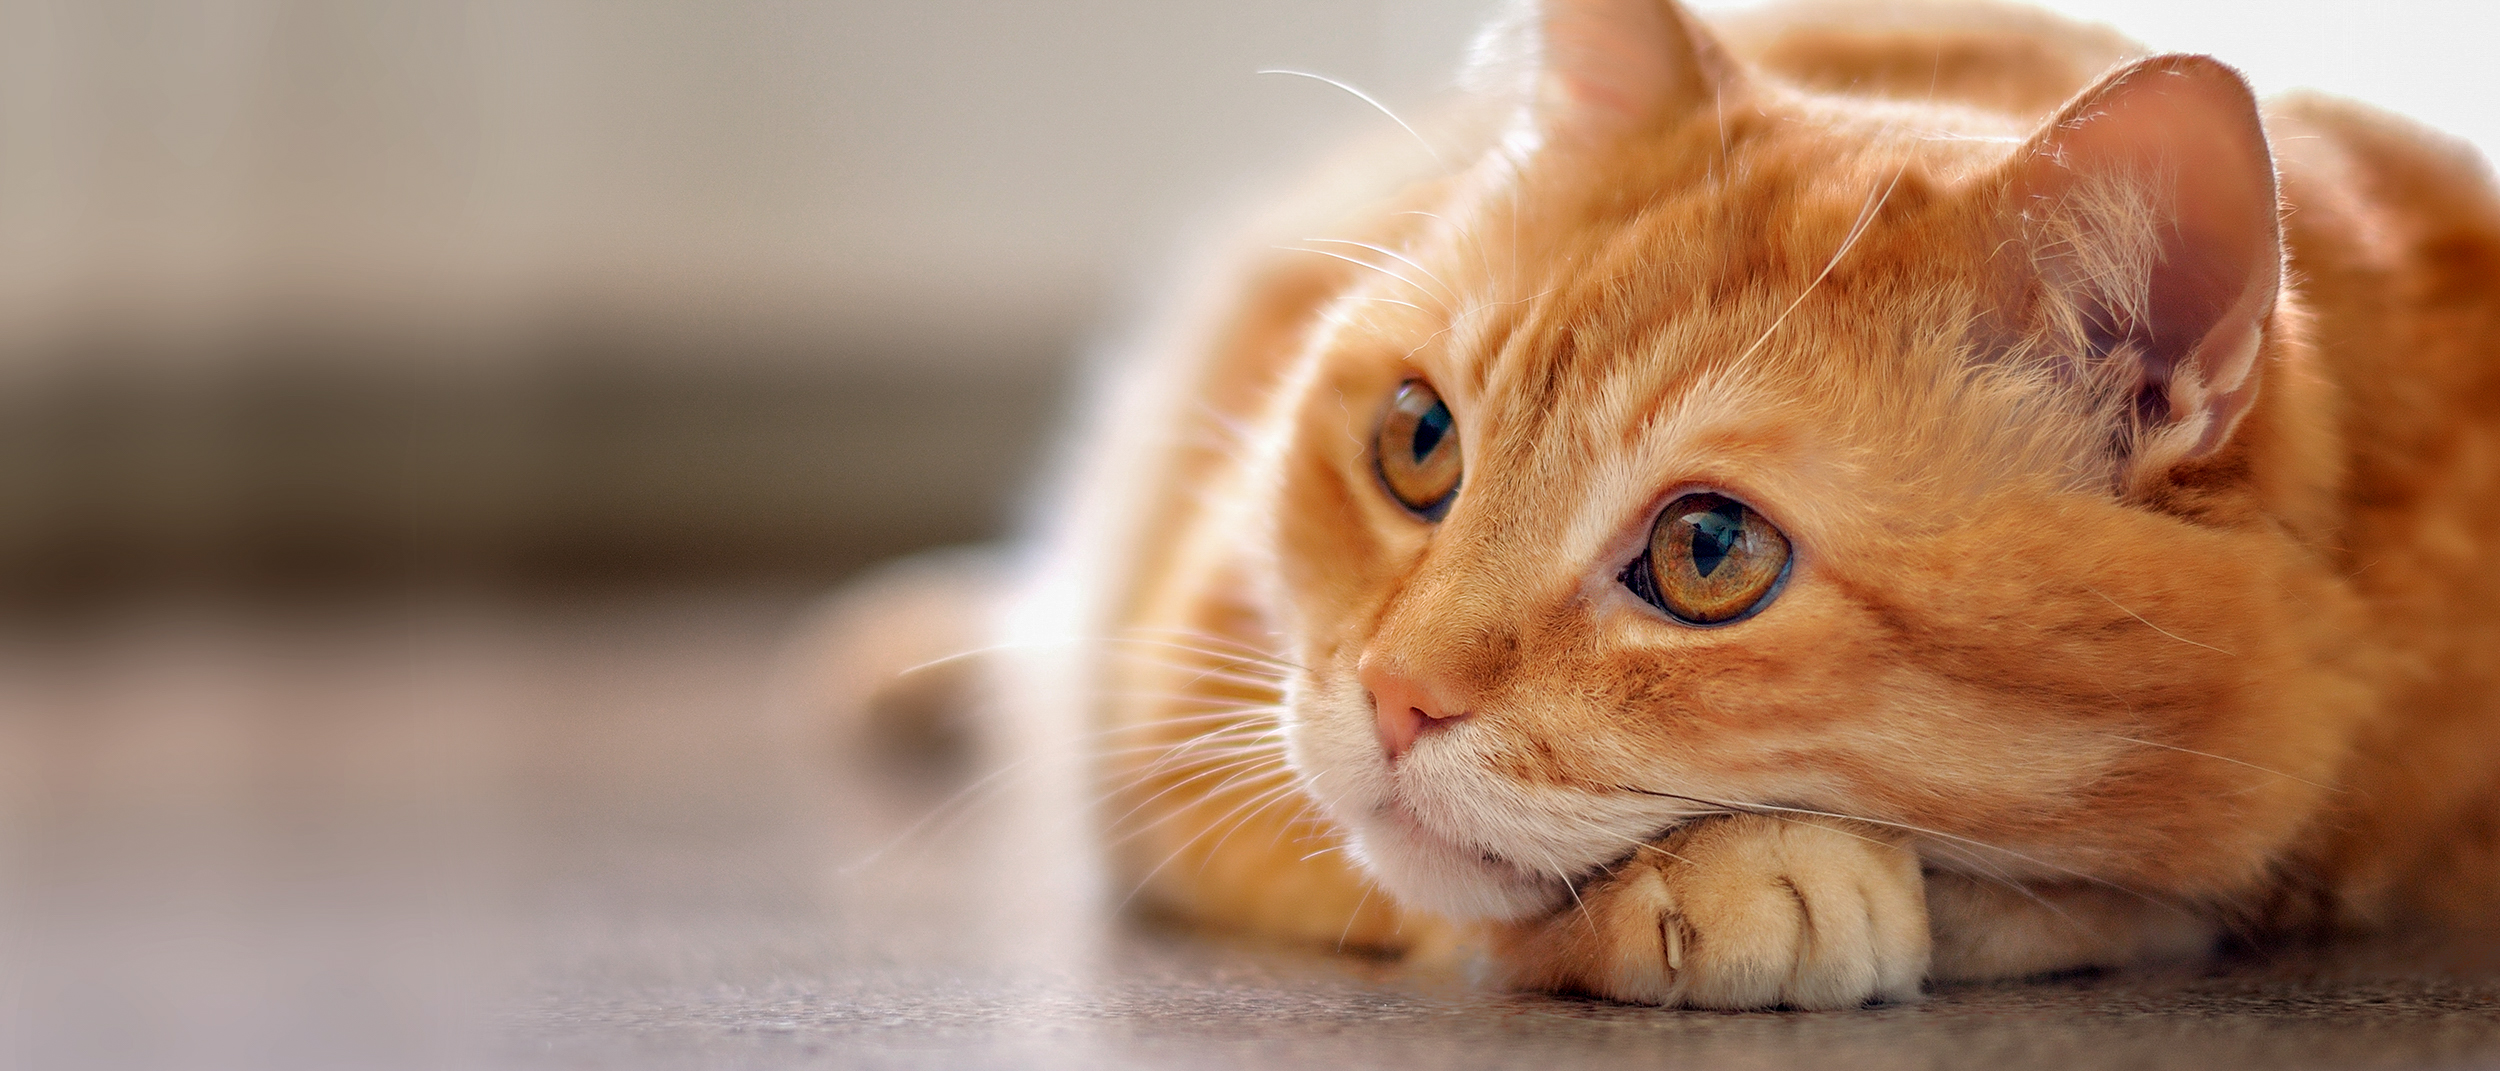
x,y
1429,430
1714,534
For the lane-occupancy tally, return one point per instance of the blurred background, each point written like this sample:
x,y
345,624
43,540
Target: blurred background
x,y
421,423
315,293
319,294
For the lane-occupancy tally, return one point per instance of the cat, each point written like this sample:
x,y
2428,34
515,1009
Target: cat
x,y
1778,512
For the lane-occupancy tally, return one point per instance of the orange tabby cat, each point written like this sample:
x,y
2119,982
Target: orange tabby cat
x,y
1856,496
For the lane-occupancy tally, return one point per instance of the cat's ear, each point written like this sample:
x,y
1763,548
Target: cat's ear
x,y
2148,210
1595,71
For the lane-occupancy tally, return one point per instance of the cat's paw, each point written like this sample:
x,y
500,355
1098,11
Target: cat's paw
x,y
1748,911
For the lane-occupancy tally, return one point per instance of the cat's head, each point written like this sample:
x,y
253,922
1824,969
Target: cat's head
x,y
1710,445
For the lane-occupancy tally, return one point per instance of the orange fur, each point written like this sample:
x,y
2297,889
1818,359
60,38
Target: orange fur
x,y
2125,660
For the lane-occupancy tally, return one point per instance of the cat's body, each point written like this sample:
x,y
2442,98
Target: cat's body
x,y
2131,593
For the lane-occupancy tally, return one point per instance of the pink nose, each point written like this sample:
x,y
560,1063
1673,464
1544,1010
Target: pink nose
x,y
1405,708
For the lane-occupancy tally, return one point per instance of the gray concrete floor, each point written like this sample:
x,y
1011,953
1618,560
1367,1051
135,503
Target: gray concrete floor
x,y
469,833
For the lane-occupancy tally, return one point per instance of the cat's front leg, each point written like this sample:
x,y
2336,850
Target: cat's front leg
x,y
1746,911
1988,929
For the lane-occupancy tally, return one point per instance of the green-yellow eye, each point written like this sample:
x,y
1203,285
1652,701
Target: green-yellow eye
x,y
1416,450
1711,560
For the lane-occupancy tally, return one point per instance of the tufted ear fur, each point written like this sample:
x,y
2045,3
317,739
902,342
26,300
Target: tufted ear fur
x,y
2148,210
1599,70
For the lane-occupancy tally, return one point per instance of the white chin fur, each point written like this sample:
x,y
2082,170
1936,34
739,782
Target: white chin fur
x,y
1449,881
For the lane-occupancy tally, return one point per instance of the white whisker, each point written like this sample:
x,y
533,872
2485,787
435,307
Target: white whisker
x,y
1866,218
2158,628
1357,913
1773,809
1418,287
2222,758
1392,254
1367,99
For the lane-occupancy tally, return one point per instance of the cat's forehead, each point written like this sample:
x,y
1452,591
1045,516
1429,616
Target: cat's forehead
x,y
1688,253
1784,320
1717,282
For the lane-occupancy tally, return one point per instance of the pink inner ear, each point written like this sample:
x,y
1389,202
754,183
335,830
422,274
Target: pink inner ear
x,y
2185,130
1610,67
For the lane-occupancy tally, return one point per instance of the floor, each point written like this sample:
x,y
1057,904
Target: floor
x,y
464,832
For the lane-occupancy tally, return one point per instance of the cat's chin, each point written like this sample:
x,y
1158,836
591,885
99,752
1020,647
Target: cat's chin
x,y
1425,871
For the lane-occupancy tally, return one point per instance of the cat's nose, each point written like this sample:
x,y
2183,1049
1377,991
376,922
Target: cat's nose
x,y
1405,708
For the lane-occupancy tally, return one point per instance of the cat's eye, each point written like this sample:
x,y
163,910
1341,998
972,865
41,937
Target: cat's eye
x,y
1416,450
1711,560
